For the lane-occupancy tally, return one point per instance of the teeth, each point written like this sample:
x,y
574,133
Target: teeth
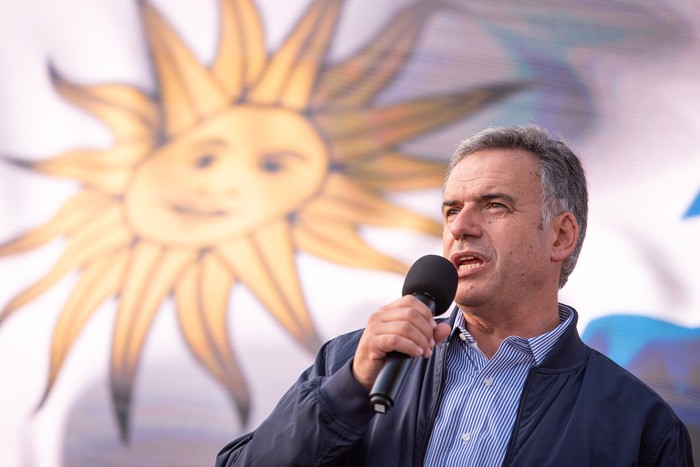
x,y
466,258
468,263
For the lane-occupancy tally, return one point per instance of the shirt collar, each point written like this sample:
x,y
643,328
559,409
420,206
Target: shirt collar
x,y
538,346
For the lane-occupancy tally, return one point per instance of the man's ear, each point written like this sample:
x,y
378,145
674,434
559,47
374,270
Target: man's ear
x,y
565,233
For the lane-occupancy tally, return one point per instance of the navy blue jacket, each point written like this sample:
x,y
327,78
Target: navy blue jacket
x,y
578,408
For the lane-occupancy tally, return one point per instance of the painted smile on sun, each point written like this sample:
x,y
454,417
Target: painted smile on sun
x,y
227,172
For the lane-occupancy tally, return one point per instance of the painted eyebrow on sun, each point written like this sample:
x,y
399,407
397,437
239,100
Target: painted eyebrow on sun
x,y
213,143
286,153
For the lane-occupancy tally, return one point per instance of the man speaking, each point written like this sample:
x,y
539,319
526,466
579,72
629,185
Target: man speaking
x,y
506,380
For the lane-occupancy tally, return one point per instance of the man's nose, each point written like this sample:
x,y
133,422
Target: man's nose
x,y
466,224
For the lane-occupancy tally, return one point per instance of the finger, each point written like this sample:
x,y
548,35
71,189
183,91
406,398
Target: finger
x,y
420,307
409,310
441,331
398,343
372,350
406,325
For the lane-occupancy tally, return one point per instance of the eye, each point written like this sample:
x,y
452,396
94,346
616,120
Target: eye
x,y
450,213
497,208
276,162
204,161
271,165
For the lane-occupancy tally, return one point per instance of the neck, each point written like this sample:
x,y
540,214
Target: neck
x,y
490,329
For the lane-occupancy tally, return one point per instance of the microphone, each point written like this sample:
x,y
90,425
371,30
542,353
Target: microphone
x,y
432,280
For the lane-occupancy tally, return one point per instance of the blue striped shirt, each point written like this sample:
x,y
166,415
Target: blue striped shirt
x,y
480,397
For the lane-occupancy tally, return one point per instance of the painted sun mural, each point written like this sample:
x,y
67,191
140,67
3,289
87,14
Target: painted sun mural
x,y
227,171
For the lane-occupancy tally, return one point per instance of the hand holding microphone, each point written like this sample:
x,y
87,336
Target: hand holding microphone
x,y
405,329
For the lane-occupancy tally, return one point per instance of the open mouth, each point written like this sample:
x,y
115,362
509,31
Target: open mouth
x,y
468,263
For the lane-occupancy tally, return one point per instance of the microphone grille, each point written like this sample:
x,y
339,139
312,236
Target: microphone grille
x,y
433,275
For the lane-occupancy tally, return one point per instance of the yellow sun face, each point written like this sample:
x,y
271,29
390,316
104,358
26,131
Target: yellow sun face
x,y
226,178
226,174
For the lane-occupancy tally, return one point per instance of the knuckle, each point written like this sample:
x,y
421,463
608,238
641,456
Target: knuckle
x,y
393,340
404,327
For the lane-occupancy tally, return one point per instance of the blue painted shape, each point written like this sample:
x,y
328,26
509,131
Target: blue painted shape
x,y
694,209
662,354
621,337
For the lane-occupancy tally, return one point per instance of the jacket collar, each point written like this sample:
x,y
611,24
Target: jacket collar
x,y
568,351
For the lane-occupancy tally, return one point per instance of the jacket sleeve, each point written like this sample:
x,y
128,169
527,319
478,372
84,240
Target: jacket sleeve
x,y
319,418
674,449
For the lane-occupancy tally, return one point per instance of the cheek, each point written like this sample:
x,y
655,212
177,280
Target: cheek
x,y
447,241
533,255
523,254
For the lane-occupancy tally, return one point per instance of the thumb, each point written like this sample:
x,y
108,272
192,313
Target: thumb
x,y
441,331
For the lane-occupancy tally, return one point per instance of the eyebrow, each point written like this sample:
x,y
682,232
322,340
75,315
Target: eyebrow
x,y
287,153
484,197
448,204
492,196
213,143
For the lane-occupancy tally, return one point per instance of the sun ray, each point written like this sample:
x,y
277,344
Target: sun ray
x,y
342,244
78,209
358,206
128,113
265,264
393,171
100,237
150,275
357,80
369,210
241,55
386,170
277,248
109,171
202,309
364,131
189,92
100,280
289,78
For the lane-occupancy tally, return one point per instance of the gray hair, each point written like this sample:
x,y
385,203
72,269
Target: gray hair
x,y
562,178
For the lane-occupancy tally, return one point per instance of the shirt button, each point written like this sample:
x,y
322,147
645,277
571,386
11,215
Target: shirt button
x,y
466,437
462,336
488,381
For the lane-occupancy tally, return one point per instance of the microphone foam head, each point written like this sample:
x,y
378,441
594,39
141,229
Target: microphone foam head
x,y
435,276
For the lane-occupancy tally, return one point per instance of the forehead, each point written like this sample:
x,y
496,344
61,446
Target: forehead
x,y
513,171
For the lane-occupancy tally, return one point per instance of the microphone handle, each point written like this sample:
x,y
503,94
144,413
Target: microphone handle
x,y
389,381
391,377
